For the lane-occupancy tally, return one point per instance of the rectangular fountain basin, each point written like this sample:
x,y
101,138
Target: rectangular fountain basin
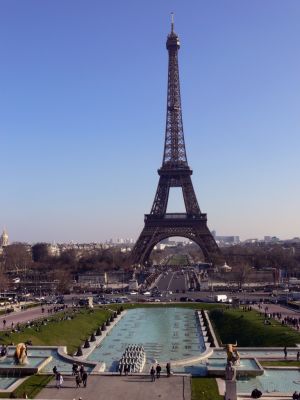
x,y
248,367
35,364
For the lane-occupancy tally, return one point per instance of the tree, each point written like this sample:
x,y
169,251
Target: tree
x,y
17,257
40,252
64,279
4,282
240,274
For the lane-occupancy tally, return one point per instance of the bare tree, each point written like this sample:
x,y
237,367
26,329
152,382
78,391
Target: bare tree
x,y
17,257
64,279
240,274
4,282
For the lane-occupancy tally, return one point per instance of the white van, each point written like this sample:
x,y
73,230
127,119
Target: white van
x,y
221,298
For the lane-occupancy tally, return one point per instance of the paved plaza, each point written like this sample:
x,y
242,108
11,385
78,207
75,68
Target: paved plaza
x,y
23,316
135,387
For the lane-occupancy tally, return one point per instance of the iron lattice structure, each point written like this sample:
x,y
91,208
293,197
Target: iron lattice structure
x,y
174,172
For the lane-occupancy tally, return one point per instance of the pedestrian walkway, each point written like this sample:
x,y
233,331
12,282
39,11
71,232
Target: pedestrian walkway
x,y
24,316
285,313
135,387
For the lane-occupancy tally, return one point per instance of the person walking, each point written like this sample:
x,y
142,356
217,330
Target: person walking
x,y
285,352
298,355
168,368
84,378
126,369
61,380
77,380
158,371
120,369
57,379
81,370
152,373
74,369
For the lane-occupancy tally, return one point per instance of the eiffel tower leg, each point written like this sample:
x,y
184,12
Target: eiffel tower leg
x,y
144,245
207,243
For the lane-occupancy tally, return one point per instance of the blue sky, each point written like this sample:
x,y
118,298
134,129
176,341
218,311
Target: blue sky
x,y
82,114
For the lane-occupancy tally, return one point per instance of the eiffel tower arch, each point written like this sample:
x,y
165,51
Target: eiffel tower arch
x,y
174,172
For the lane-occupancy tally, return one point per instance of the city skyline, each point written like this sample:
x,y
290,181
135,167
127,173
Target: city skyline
x,y
83,116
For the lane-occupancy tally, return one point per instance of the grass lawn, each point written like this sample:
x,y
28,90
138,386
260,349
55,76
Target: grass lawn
x,y
281,363
32,386
248,329
205,389
70,333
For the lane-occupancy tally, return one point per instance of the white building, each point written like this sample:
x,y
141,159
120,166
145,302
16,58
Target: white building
x,y
4,239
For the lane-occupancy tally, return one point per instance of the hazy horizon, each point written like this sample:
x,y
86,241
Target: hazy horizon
x,y
82,115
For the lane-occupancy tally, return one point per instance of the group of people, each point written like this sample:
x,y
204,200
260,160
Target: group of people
x,y
58,377
156,370
3,351
293,322
80,374
55,309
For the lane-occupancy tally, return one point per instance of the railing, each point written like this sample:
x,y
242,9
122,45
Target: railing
x,y
173,216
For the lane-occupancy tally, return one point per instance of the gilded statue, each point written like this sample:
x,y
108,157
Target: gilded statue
x,y
21,354
232,353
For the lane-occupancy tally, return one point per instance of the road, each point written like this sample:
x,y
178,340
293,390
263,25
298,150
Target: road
x,y
173,281
23,316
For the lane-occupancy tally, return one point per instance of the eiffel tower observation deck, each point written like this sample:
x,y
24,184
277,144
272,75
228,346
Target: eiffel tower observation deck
x,y
174,172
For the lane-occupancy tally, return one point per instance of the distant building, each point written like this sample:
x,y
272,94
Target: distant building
x,y
225,268
119,276
271,239
160,246
92,279
4,241
226,240
119,241
54,250
133,284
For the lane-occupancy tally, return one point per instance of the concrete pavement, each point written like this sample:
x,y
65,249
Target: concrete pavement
x,y
135,387
276,308
24,316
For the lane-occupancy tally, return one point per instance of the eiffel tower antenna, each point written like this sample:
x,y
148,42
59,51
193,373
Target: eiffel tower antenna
x,y
174,172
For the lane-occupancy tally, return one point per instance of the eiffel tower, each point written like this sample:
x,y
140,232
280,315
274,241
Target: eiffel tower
x,y
174,172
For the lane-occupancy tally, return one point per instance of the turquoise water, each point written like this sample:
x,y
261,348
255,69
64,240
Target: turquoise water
x,y
272,381
264,353
61,364
32,362
245,364
5,382
200,369
167,334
